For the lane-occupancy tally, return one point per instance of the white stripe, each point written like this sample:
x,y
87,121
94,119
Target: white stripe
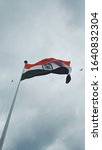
x,y
53,64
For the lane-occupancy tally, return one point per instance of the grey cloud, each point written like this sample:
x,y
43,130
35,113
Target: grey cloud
x,y
78,10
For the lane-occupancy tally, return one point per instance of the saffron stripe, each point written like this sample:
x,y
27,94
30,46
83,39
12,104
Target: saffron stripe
x,y
47,60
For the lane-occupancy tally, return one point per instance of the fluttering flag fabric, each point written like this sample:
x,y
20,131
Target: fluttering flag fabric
x,y
47,66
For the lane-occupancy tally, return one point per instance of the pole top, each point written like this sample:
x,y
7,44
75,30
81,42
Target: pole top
x,y
25,61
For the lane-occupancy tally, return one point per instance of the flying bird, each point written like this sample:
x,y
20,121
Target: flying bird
x,y
81,69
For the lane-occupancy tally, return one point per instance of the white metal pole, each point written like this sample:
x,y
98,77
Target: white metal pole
x,y
10,113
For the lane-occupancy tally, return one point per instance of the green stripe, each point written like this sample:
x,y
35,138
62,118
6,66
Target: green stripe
x,y
33,73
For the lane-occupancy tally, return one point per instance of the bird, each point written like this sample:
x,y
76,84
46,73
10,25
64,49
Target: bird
x,y
81,69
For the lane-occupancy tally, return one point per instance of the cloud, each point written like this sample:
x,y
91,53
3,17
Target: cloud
x,y
48,114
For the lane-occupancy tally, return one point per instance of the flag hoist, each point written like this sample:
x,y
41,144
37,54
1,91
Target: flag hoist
x,y
43,67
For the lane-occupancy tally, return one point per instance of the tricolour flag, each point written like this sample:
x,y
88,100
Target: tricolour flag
x,y
47,66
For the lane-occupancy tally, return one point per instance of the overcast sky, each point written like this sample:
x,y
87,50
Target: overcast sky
x,y
48,114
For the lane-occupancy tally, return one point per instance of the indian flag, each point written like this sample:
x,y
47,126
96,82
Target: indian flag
x,y
47,66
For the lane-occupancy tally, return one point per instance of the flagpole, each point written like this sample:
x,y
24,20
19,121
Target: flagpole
x,y
10,113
